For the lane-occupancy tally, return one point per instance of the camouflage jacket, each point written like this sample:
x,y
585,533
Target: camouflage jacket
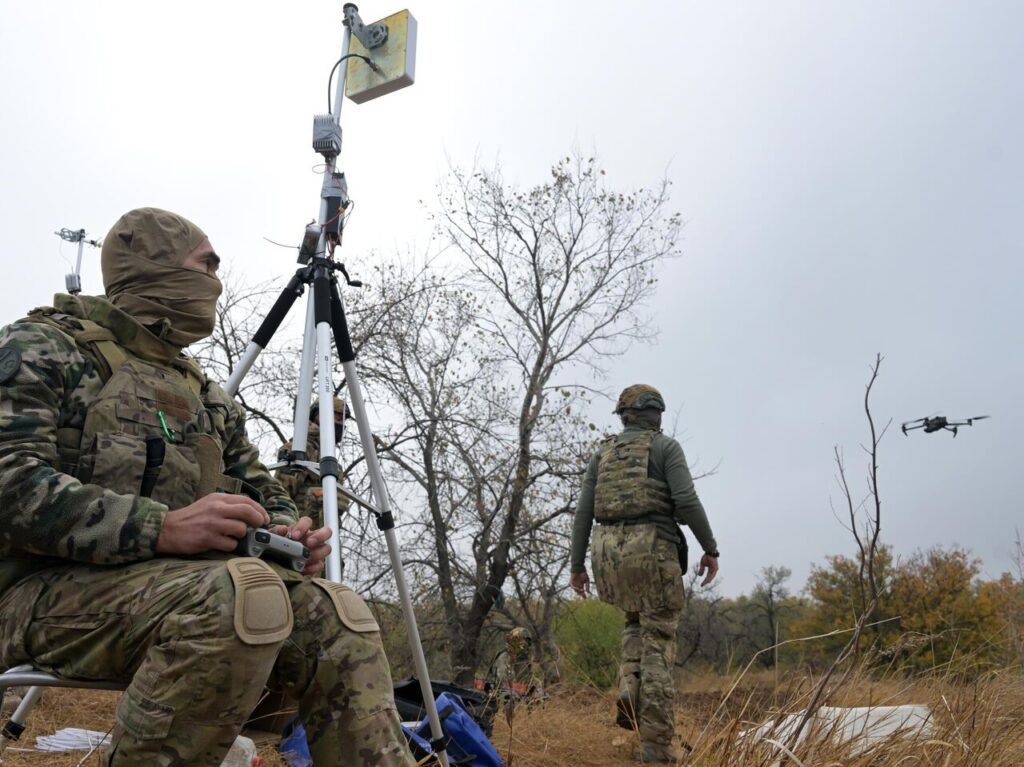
x,y
518,673
47,388
304,486
666,463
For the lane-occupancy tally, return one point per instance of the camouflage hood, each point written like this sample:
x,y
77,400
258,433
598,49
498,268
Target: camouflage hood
x,y
144,275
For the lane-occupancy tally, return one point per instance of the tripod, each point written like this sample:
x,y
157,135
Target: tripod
x,y
325,317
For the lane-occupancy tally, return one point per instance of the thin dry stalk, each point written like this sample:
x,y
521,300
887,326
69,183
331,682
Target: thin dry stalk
x,y
868,550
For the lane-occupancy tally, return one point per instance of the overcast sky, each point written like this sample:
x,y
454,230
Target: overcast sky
x,y
850,173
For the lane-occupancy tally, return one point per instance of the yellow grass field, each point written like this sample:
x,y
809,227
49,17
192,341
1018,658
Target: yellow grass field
x,y
979,723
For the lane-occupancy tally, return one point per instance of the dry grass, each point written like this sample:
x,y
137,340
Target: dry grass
x,y
980,723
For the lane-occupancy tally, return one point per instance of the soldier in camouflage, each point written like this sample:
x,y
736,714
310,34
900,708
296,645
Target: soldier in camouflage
x,y
115,567
513,669
639,490
304,486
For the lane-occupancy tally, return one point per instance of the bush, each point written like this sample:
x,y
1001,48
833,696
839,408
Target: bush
x,y
589,635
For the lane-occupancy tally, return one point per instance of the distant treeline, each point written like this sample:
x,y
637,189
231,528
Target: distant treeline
x,y
935,612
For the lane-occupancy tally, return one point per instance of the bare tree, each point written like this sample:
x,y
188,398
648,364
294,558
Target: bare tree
x,y
769,593
548,279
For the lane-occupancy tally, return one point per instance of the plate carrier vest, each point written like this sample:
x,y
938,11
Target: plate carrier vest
x,y
140,399
624,490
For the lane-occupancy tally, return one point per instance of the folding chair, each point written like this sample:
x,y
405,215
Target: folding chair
x,y
27,676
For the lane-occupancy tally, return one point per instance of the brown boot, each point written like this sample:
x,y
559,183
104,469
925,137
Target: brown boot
x,y
626,705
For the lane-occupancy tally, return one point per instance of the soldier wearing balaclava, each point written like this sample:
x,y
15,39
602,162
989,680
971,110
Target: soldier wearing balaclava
x,y
92,389
144,273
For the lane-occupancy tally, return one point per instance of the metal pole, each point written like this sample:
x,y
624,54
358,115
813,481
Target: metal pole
x,y
81,245
328,460
300,434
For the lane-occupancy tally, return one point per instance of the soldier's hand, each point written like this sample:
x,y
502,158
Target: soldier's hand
x,y
580,583
213,523
710,564
314,540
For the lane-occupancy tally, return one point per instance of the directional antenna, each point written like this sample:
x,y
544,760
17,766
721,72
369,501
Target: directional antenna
x,y
391,45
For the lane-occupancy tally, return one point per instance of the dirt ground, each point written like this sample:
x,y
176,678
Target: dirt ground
x,y
979,724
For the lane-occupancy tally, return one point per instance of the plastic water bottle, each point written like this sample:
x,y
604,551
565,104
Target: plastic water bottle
x,y
242,754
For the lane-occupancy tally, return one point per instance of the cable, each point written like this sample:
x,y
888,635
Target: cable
x,y
330,80
281,244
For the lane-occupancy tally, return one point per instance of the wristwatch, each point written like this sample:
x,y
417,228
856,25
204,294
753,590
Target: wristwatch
x,y
712,554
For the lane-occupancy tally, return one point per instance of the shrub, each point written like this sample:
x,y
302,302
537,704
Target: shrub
x,y
589,634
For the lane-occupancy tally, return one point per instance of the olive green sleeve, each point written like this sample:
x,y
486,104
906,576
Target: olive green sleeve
x,y
242,461
584,519
689,510
44,512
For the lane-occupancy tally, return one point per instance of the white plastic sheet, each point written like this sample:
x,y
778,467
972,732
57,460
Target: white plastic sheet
x,y
72,739
862,727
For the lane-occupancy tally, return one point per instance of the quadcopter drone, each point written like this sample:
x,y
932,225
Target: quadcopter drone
x,y
938,422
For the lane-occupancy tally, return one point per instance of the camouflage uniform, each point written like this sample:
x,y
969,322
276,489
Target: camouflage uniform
x,y
639,489
513,668
304,486
84,594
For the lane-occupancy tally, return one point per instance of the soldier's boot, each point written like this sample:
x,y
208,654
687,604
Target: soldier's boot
x,y
658,753
628,702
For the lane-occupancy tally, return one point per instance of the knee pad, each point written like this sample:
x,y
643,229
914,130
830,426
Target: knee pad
x,y
351,608
263,612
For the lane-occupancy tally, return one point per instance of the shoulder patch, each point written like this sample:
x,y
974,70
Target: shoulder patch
x,y
10,362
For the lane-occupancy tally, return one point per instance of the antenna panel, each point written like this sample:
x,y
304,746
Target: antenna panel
x,y
396,58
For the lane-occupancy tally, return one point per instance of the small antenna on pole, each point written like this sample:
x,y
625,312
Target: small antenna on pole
x,y
73,281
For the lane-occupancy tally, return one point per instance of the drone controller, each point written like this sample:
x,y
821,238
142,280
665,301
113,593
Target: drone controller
x,y
267,545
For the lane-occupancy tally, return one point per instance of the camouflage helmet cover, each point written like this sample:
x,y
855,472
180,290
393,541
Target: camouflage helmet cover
x,y
518,634
341,410
638,397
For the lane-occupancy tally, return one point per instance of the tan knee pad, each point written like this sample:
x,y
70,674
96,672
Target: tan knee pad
x,y
350,606
263,612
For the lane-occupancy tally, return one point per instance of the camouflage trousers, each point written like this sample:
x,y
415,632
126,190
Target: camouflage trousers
x,y
167,628
639,573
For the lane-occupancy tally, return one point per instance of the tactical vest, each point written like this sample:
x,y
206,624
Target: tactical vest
x,y
140,399
624,490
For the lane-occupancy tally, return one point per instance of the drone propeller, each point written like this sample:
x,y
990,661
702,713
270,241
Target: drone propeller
x,y
977,418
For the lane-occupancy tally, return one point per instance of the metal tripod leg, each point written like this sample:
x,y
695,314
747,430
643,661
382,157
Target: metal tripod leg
x,y
266,331
385,519
329,468
300,434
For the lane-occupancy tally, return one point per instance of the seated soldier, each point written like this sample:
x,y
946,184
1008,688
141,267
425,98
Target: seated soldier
x,y
102,578
303,485
513,670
